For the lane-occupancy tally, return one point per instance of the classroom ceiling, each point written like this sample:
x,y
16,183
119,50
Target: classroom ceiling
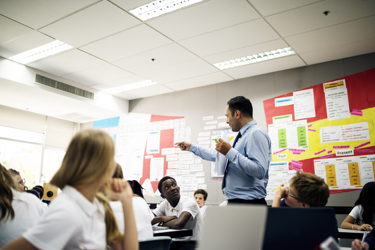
x,y
112,48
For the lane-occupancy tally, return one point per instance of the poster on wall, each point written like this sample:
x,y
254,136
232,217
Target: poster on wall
x,y
339,127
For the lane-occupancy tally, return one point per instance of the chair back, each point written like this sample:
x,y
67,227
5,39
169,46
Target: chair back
x,y
155,243
299,228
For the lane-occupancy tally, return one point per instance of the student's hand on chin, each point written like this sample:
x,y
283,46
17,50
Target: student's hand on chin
x,y
119,190
282,192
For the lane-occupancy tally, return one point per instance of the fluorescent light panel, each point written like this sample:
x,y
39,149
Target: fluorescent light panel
x,y
160,7
131,86
255,58
41,52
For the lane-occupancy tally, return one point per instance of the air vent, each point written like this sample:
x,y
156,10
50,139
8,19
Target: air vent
x,y
63,87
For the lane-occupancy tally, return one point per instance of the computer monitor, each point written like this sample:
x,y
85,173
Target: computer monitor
x,y
237,227
299,228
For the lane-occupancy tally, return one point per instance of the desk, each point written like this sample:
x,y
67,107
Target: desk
x,y
174,233
350,234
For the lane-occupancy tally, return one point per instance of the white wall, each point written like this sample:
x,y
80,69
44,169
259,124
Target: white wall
x,y
58,132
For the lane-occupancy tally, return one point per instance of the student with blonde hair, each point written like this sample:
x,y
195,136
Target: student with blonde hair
x,y
18,210
79,217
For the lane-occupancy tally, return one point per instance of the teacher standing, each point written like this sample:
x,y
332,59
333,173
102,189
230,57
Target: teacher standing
x,y
246,175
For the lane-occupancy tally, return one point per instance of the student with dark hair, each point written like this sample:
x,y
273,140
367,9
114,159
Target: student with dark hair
x,y
142,213
362,215
137,188
246,172
18,210
80,217
179,213
19,183
200,197
305,190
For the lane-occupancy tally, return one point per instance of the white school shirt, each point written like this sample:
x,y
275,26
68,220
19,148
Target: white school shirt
x,y
357,212
204,211
71,222
185,204
27,212
142,213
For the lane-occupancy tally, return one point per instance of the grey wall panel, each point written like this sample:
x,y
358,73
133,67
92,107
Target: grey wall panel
x,y
211,100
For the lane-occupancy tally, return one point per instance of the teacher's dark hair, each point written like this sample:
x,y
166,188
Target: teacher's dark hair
x,y
242,104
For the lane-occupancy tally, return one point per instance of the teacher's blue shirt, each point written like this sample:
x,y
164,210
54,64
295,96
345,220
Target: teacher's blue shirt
x,y
247,174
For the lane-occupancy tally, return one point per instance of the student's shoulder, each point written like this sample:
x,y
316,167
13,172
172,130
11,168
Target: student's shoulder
x,y
64,206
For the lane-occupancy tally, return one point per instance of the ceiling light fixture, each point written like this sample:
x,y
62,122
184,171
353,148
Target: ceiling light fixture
x,y
255,58
131,86
160,7
41,52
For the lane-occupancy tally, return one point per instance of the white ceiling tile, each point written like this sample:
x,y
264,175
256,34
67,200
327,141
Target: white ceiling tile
x,y
269,7
265,67
180,71
203,18
127,43
98,74
95,22
311,17
163,56
130,4
238,36
23,43
144,92
247,51
11,29
65,63
199,81
38,13
340,34
339,52
119,82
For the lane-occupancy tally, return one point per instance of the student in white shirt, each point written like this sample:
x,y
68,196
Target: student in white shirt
x,y
18,211
79,217
179,213
362,215
200,196
142,213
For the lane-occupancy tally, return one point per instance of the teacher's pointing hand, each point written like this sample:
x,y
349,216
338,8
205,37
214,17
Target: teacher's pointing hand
x,y
184,146
223,146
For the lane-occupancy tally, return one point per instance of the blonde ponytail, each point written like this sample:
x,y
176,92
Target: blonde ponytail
x,y
112,232
6,197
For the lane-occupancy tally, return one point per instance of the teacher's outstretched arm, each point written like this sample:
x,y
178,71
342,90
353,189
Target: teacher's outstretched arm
x,y
204,153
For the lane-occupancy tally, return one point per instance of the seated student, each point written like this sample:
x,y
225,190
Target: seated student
x,y
200,197
306,190
368,243
362,216
81,218
40,191
178,212
19,183
142,213
18,210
